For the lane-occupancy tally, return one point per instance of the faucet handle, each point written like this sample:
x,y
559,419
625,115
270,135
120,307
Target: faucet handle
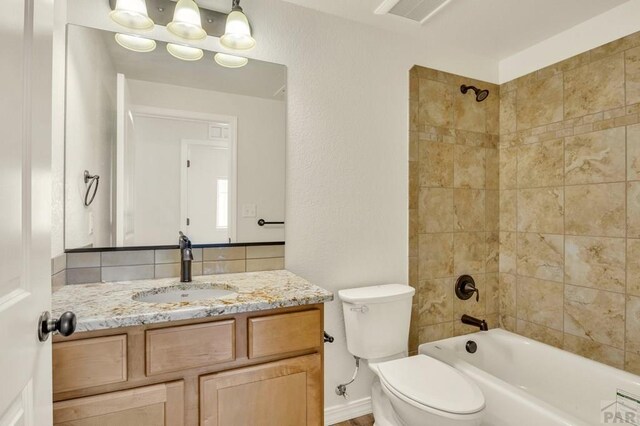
x,y
473,289
184,241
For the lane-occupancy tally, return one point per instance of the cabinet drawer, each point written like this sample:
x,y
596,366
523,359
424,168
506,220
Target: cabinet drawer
x,y
189,346
283,333
157,405
80,364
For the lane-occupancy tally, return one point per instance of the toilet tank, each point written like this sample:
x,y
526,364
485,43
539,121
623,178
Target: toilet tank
x,y
377,319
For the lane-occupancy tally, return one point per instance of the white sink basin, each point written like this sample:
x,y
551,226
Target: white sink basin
x,y
185,293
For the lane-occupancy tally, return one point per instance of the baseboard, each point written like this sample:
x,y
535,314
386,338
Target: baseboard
x,y
350,410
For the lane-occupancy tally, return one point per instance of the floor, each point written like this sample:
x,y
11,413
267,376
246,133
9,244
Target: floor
x,y
360,421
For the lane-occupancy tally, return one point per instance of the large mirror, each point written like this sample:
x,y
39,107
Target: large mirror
x,y
155,145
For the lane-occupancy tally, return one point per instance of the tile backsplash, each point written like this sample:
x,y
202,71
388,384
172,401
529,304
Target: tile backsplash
x,y
58,271
124,265
568,197
453,202
570,204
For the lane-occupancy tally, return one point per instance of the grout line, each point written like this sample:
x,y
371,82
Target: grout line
x,y
626,235
564,219
515,325
516,231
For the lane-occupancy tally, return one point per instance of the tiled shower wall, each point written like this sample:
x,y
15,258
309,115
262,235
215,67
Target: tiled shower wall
x,y
124,265
570,204
453,202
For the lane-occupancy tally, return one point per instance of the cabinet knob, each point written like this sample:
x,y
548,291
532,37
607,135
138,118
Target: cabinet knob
x,y
65,325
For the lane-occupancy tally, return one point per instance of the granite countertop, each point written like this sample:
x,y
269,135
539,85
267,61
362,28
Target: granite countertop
x,y
111,305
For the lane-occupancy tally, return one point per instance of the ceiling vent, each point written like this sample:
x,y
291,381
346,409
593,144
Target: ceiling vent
x,y
416,10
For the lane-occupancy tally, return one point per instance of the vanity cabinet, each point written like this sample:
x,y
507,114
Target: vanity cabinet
x,y
262,367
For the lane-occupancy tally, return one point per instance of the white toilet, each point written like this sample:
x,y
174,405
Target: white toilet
x,y
411,391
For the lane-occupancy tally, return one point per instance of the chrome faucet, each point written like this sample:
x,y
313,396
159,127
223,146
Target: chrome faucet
x,y
469,320
186,257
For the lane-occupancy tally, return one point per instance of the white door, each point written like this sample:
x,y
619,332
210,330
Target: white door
x,y
25,216
207,190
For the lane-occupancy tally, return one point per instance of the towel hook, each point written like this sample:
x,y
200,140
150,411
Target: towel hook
x,y
91,180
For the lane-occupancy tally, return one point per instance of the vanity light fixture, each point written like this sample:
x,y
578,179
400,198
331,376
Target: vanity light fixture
x,y
185,53
186,22
132,14
237,33
230,61
135,43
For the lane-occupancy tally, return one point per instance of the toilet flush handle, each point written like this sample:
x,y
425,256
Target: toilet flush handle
x,y
363,309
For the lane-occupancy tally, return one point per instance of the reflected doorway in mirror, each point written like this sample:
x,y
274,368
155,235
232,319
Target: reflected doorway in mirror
x,y
208,186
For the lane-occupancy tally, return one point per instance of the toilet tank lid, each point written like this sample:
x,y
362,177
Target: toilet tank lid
x,y
377,293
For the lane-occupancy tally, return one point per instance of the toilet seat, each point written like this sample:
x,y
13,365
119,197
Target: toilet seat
x,y
430,384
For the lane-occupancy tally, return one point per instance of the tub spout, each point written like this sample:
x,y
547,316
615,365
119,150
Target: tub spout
x,y
481,324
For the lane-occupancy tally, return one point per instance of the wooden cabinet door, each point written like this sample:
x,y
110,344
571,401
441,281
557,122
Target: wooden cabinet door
x,y
282,393
154,405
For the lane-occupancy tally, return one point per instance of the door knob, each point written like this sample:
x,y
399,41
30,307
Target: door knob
x,y
65,325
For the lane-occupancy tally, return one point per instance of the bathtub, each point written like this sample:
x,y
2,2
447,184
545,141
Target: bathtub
x,y
528,383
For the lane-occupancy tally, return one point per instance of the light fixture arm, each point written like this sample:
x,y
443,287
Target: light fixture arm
x,y
235,6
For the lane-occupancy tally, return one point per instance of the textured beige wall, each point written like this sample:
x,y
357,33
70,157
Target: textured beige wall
x,y
453,202
570,204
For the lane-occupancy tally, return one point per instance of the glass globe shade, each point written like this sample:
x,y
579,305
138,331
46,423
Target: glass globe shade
x,y
132,14
230,61
237,33
185,53
186,22
135,43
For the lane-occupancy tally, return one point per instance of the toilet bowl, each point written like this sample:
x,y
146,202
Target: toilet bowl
x,y
423,391
409,391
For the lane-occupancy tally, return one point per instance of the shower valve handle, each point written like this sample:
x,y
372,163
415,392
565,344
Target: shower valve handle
x,y
477,294
466,287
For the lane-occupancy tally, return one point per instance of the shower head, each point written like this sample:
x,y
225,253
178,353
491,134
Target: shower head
x,y
481,95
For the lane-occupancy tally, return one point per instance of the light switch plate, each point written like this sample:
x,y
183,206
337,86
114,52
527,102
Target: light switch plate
x,y
249,210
